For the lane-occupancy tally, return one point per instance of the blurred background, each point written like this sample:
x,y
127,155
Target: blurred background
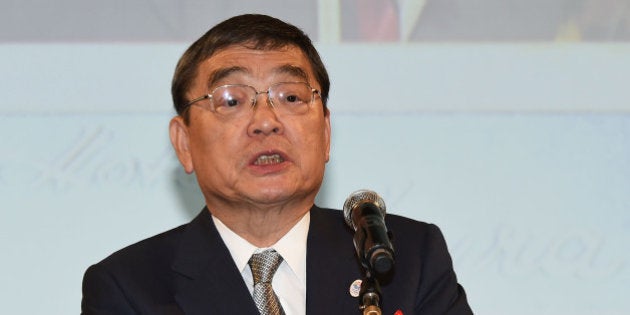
x,y
504,122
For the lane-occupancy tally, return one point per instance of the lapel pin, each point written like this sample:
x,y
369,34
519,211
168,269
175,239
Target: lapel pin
x,y
355,288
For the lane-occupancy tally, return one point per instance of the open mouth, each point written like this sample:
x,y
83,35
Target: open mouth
x,y
269,159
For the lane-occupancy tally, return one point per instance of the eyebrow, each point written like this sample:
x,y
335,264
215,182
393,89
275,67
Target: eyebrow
x,y
292,70
222,73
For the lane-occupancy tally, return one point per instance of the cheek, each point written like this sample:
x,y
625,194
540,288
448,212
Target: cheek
x,y
205,143
320,137
225,149
316,144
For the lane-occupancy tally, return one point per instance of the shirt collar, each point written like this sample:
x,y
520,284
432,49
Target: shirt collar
x,y
292,246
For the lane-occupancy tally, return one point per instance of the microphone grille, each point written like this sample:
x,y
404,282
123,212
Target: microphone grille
x,y
360,197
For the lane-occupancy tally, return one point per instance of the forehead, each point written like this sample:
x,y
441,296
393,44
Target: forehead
x,y
242,63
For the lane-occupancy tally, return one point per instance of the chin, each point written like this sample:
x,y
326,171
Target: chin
x,y
278,195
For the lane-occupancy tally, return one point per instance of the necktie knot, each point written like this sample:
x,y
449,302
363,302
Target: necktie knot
x,y
264,265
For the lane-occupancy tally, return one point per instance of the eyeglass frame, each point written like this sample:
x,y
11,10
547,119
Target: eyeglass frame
x,y
254,101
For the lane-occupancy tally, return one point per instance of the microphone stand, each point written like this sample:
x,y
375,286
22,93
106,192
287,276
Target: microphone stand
x,y
370,295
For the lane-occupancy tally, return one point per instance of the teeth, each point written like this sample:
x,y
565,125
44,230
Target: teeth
x,y
269,159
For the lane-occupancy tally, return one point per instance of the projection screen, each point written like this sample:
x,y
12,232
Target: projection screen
x,y
504,122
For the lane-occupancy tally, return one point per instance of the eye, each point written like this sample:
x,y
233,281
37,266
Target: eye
x,y
231,101
230,97
293,93
291,98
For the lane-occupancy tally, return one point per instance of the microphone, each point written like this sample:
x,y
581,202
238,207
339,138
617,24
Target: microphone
x,y
364,212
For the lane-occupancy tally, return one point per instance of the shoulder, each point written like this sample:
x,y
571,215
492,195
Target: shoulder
x,y
393,222
159,249
149,257
406,232
141,267
154,249
147,260
413,229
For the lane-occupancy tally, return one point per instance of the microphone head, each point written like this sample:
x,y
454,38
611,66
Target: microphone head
x,y
358,198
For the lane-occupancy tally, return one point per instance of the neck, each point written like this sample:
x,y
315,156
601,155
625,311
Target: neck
x,y
262,226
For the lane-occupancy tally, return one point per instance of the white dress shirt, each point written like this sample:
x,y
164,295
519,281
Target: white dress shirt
x,y
289,282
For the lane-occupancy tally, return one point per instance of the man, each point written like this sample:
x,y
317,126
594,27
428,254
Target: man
x,y
253,125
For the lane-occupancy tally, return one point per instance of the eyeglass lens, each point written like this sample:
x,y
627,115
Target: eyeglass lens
x,y
288,97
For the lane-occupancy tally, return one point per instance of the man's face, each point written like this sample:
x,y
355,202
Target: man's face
x,y
236,159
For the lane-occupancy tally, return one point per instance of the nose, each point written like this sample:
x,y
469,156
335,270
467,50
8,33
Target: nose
x,y
264,119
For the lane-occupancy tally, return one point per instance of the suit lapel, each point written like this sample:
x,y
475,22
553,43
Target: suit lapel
x,y
207,280
331,266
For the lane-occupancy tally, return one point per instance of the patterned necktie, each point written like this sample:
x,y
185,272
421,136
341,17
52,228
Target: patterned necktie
x,y
264,266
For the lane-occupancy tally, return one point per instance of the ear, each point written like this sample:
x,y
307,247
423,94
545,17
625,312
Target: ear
x,y
180,139
327,133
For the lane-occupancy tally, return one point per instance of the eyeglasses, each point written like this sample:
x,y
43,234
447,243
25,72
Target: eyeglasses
x,y
235,100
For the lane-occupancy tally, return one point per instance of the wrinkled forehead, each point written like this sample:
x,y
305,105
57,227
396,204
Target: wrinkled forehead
x,y
243,63
286,72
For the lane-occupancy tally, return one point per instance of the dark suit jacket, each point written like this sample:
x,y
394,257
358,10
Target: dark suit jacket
x,y
189,270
